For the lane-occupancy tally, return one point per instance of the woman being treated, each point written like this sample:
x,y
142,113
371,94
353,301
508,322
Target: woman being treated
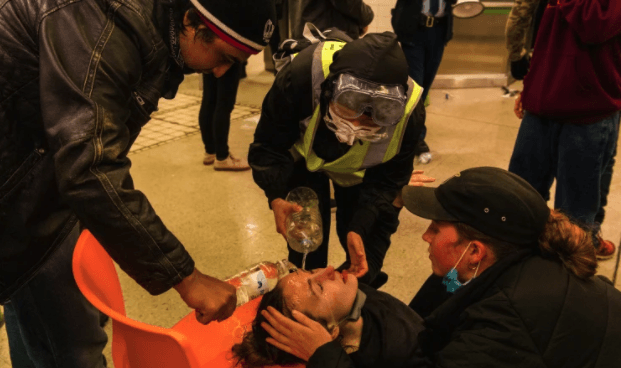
x,y
376,329
521,278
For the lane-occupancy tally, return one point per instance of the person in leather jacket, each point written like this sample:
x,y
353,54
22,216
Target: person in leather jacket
x,y
78,80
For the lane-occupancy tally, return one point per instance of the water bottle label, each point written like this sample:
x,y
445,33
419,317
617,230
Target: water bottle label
x,y
257,284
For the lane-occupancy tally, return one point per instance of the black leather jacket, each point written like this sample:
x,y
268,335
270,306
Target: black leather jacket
x,y
78,80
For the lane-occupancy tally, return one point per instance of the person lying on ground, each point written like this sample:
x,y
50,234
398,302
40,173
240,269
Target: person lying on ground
x,y
374,328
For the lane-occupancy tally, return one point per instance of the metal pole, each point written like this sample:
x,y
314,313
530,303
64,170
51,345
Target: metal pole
x,y
614,275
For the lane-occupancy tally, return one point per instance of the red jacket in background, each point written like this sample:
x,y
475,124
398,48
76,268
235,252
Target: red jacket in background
x,y
575,72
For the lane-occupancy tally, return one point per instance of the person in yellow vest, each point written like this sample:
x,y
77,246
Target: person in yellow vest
x,y
346,113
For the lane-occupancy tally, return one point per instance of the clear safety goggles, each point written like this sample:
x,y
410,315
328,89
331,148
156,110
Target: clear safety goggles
x,y
354,97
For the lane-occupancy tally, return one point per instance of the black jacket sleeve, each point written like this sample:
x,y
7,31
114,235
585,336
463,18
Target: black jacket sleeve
x,y
492,334
276,133
382,183
87,77
330,355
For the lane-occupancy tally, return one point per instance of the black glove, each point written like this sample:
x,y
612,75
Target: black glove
x,y
520,68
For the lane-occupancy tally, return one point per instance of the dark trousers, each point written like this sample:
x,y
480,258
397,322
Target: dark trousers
x,y
579,156
424,54
346,199
50,323
214,118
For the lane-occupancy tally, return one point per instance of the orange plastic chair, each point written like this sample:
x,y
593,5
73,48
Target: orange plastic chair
x,y
136,344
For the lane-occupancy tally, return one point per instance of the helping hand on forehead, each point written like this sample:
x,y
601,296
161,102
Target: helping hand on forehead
x,y
301,335
300,338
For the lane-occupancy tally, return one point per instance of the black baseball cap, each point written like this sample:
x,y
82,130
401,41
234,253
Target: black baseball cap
x,y
494,201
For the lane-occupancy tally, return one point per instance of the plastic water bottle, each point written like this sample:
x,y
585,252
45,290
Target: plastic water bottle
x,y
304,228
258,279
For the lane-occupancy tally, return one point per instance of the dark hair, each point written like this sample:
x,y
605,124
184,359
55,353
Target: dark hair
x,y
561,239
201,32
254,351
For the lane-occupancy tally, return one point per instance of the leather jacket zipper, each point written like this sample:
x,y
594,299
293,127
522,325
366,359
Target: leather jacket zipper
x,y
139,99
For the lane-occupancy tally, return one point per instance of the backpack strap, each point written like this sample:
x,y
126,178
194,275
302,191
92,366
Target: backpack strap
x,y
290,48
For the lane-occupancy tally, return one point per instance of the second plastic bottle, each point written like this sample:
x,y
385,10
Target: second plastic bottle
x,y
258,279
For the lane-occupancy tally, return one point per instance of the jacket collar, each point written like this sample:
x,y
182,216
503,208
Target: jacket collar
x,y
445,319
168,15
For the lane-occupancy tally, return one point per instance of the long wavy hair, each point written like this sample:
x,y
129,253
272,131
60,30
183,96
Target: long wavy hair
x,y
254,351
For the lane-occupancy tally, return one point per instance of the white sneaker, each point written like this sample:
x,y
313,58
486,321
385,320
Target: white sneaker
x,y
209,158
232,164
425,158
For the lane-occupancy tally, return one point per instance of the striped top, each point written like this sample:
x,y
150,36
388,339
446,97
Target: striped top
x,y
434,8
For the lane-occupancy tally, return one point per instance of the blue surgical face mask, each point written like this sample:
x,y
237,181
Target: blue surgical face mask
x,y
451,280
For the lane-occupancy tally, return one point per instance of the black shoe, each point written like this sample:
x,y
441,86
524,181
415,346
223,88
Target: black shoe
x,y
379,280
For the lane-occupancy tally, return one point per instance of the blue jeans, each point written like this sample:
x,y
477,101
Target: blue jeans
x,y
50,323
424,55
579,156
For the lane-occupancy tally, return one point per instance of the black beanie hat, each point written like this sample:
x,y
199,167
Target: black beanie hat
x,y
244,24
376,57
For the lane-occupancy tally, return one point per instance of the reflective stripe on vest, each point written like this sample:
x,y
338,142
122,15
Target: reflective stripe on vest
x,y
349,169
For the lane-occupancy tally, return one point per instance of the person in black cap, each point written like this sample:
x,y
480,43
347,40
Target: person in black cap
x,y
78,79
520,278
347,112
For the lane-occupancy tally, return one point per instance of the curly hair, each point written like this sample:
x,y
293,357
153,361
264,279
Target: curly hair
x,y
195,22
561,239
